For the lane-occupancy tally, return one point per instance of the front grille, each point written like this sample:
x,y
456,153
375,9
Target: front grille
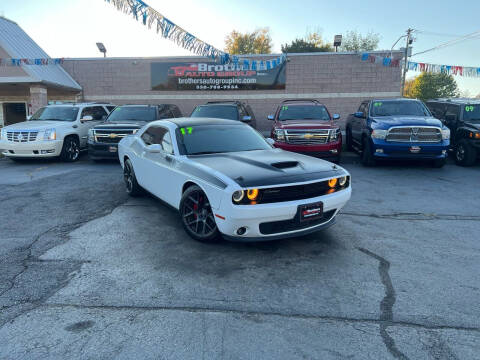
x,y
22,136
294,224
414,134
307,137
111,136
296,192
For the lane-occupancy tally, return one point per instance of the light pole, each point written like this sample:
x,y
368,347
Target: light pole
x,y
405,65
102,49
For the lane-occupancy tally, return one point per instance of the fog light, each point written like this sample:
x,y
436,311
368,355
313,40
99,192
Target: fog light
x,y
241,231
334,151
379,151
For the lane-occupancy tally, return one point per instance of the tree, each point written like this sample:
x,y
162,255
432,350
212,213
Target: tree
x,y
312,42
430,86
256,42
409,84
354,41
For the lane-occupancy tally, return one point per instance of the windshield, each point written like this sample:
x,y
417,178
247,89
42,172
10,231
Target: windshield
x,y
399,108
133,114
472,113
228,112
304,112
210,139
56,113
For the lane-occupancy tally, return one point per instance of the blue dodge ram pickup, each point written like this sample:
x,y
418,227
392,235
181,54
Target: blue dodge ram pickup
x,y
397,129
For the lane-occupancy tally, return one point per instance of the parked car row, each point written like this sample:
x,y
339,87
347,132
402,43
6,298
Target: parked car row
x,y
380,129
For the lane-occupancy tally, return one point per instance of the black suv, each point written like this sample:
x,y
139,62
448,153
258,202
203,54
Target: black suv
x,y
462,116
230,110
125,120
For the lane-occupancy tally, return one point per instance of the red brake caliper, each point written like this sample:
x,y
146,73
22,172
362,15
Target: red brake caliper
x,y
195,208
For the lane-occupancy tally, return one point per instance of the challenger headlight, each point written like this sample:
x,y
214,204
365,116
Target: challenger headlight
x,y
91,136
446,134
342,181
379,134
238,196
279,135
50,134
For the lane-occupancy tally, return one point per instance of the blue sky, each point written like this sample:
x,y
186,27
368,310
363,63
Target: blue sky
x,y
71,28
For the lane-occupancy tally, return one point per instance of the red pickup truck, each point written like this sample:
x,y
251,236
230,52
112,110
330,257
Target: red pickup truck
x,y
306,127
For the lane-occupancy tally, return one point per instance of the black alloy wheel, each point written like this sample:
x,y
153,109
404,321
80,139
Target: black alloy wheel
x,y
465,154
197,216
132,186
70,150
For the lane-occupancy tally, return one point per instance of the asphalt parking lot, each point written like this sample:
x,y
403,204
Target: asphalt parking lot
x,y
86,272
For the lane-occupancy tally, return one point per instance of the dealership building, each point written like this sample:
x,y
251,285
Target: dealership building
x,y
339,80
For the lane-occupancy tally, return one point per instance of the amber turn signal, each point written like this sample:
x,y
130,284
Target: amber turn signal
x,y
332,182
252,194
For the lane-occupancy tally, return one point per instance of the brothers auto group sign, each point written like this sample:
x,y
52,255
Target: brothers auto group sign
x,y
210,76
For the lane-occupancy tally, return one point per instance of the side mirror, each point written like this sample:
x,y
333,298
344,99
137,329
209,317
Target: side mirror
x,y
270,141
336,116
247,119
271,117
359,115
86,118
154,148
451,118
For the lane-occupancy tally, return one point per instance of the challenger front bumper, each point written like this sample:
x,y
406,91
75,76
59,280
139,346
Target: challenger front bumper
x,y
282,216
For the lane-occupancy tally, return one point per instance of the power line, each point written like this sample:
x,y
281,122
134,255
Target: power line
x,y
423,32
452,42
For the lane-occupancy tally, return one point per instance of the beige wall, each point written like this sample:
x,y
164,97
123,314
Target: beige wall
x,y
340,81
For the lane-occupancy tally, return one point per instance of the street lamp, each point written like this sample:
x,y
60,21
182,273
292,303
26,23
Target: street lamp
x,y
102,49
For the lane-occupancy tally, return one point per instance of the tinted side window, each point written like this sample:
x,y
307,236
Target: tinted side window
x,y
364,108
96,112
437,109
164,112
242,112
110,108
176,111
158,135
453,110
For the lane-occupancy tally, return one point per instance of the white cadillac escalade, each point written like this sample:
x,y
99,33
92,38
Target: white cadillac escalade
x,y
53,131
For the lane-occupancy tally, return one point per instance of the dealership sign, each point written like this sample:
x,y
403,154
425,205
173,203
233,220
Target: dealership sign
x,y
211,76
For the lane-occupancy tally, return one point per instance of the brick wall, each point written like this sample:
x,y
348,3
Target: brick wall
x,y
339,80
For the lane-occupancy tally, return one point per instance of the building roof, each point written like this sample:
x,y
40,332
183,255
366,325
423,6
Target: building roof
x,y
19,45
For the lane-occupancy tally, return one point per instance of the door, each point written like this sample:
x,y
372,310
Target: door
x,y
452,117
98,114
358,124
157,163
14,113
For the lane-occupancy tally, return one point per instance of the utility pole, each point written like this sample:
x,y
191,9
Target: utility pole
x,y
405,65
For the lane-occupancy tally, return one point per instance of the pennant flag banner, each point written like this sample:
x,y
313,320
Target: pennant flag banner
x,y
152,18
20,62
445,69
385,61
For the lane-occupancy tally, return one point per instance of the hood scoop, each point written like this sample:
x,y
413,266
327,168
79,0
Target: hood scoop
x,y
285,164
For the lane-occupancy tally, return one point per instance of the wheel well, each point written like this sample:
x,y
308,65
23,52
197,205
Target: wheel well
x,y
72,135
187,185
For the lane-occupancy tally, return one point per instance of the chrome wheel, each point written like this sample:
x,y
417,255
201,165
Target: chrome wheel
x,y
197,215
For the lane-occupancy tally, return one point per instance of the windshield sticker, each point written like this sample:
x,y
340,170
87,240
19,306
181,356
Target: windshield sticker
x,y
186,131
469,108
284,108
377,104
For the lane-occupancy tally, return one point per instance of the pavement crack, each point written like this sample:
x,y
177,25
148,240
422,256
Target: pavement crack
x,y
416,216
386,305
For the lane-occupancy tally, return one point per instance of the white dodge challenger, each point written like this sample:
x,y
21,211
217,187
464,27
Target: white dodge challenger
x,y
227,181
